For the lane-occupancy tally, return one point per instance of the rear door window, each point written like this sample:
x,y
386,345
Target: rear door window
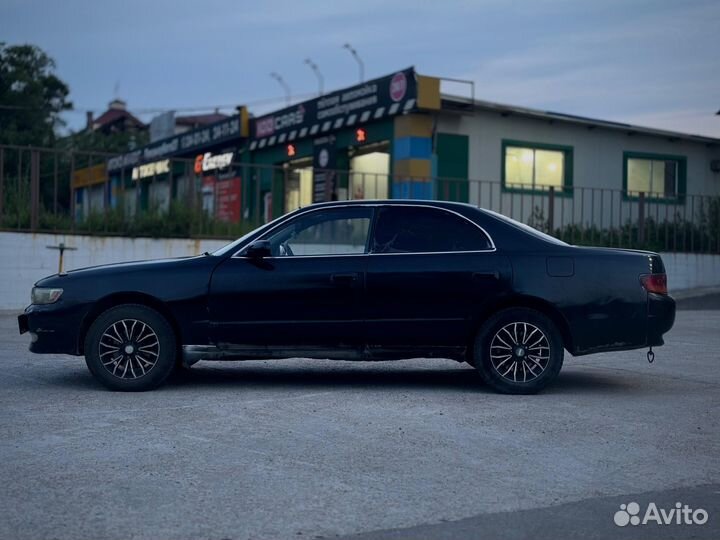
x,y
416,229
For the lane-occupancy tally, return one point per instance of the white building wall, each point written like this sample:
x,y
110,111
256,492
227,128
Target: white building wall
x,y
597,167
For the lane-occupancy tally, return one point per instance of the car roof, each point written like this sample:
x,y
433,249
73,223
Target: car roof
x,y
394,202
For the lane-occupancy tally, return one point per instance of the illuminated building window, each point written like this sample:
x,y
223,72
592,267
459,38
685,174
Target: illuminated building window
x,y
536,167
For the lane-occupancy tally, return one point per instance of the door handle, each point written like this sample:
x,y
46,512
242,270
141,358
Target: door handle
x,y
486,275
344,279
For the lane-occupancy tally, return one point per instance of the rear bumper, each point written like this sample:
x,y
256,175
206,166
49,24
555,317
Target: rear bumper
x,y
54,329
661,317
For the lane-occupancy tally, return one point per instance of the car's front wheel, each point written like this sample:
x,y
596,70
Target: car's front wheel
x,y
130,347
518,351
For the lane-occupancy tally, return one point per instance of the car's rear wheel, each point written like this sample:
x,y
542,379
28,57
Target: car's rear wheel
x,y
518,351
130,347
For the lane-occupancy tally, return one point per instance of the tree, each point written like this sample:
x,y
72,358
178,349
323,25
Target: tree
x,y
32,97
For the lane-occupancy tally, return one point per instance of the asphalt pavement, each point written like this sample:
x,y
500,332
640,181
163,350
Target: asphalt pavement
x,y
319,449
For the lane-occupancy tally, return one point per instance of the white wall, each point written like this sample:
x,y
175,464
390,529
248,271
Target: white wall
x,y
691,271
24,257
597,166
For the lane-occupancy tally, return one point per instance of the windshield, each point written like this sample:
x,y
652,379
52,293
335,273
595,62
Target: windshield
x,y
527,228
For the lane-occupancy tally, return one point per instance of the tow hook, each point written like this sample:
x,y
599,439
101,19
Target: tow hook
x,y
650,355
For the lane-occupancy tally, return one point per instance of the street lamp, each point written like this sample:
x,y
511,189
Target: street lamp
x,y
357,58
319,76
282,83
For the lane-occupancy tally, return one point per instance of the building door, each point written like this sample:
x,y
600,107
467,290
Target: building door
x,y
369,172
298,184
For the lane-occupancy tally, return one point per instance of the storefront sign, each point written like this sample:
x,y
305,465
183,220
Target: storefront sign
x,y
151,169
221,198
227,193
209,162
184,143
89,176
373,100
324,175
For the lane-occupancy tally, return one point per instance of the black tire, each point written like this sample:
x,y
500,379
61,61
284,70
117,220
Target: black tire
x,y
511,332
119,370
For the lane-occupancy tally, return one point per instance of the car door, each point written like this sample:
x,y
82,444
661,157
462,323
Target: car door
x,y
430,271
308,292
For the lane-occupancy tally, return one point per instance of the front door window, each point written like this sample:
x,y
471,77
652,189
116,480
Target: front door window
x,y
342,231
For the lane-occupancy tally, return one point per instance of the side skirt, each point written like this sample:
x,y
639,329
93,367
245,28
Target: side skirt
x,y
194,353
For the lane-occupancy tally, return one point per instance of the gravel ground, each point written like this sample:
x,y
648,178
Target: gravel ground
x,y
409,449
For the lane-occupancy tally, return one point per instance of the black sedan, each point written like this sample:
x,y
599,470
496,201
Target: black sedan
x,y
360,280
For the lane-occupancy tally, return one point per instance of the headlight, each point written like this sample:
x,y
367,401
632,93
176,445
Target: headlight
x,y
45,295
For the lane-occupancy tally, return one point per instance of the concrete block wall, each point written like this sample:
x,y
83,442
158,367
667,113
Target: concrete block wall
x,y
691,270
25,258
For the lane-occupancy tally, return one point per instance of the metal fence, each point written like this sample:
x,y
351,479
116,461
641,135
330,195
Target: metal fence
x,y
38,193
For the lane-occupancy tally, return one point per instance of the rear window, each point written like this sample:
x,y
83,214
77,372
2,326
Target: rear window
x,y
527,228
425,230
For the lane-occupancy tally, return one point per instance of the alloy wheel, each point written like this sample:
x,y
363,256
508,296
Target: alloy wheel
x,y
129,348
519,352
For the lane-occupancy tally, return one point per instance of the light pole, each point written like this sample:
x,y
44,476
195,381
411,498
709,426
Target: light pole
x,y
357,58
282,83
316,70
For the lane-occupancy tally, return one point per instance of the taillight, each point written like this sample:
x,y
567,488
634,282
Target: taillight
x,y
654,283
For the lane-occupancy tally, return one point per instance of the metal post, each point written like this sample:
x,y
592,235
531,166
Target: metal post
x,y
692,224
551,210
2,183
18,191
121,200
72,193
641,218
611,236
685,224
666,225
34,189
55,185
592,216
620,234
675,230
582,216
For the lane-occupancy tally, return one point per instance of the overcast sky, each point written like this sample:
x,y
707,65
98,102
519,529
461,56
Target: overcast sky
x,y
653,63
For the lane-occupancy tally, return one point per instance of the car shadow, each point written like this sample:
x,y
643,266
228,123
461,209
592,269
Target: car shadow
x,y
462,378
361,375
275,374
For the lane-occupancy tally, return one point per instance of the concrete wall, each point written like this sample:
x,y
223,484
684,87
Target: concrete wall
x,y
691,271
24,257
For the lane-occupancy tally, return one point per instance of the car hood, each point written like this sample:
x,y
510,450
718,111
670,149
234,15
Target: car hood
x,y
105,270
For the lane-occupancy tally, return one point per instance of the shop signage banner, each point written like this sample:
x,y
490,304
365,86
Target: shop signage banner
x,y
373,100
151,169
196,139
210,162
324,174
228,194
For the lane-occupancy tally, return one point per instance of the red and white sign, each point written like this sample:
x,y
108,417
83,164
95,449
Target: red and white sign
x,y
398,86
227,200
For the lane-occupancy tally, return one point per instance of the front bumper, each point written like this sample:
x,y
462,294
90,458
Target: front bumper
x,y
661,317
54,328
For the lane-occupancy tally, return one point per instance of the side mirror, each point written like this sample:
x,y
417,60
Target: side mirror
x,y
259,249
